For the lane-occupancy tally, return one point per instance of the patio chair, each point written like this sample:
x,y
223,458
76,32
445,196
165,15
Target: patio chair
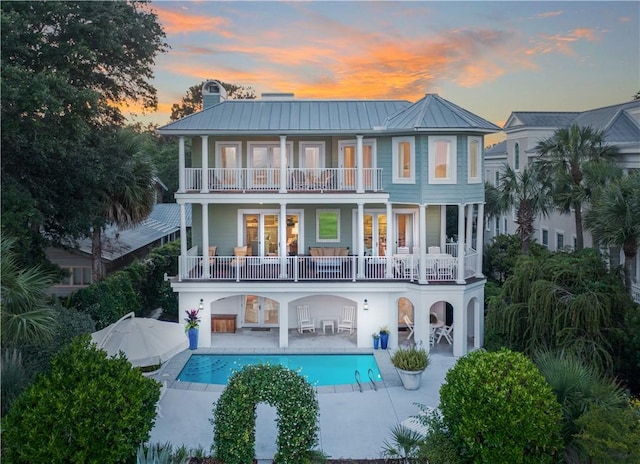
x,y
298,180
304,319
348,321
324,181
446,333
409,325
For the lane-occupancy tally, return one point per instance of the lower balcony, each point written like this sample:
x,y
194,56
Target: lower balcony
x,y
441,268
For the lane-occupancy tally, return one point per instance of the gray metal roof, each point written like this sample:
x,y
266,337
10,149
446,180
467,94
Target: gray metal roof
x,y
434,112
328,116
540,119
163,220
497,150
277,116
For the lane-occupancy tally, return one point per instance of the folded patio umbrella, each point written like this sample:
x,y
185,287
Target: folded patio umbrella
x,y
144,341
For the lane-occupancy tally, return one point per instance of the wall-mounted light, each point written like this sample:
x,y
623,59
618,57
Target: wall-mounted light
x,y
366,305
201,306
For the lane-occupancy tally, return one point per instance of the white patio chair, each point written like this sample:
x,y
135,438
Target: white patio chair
x,y
348,321
304,319
409,325
446,333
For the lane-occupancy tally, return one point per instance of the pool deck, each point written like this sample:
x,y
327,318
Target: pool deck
x,y
353,424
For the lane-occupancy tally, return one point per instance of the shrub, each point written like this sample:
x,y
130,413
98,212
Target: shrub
x,y
234,415
410,359
438,446
499,409
609,437
88,408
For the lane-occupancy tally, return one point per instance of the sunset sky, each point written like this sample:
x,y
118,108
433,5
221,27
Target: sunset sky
x,y
491,58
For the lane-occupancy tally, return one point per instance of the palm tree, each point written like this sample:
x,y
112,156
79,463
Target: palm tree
x,y
523,191
563,158
614,218
25,314
127,199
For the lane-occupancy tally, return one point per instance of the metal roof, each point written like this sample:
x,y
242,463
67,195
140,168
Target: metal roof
x,y
328,116
277,116
163,220
540,119
434,112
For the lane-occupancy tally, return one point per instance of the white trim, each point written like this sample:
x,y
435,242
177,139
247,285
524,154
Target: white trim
x,y
270,146
353,143
452,159
261,212
564,244
542,231
218,155
395,161
321,156
478,178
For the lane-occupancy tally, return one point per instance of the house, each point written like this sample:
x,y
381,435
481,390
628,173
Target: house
x,y
120,247
333,203
523,131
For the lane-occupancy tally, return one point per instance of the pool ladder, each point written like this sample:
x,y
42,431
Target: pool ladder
x,y
370,374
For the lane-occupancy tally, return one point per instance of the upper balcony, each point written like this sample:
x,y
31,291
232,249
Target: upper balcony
x,y
318,180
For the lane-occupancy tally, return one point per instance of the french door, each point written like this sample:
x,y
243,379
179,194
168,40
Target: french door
x,y
264,165
375,233
348,161
260,311
405,232
261,229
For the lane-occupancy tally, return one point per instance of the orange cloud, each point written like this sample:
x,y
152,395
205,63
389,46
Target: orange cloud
x,y
182,23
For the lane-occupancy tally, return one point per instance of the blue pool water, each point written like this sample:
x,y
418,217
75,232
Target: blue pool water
x,y
318,369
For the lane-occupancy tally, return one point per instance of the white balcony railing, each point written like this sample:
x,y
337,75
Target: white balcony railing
x,y
310,268
268,179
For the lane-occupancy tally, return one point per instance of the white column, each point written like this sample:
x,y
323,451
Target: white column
x,y
390,242
183,241
282,240
443,228
460,277
283,163
480,239
422,235
460,327
181,165
469,233
283,321
205,164
205,241
360,165
360,226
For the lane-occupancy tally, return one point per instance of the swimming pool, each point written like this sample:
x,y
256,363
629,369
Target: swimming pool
x,y
318,369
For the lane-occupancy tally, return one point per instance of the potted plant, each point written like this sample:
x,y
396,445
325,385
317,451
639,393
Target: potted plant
x,y
193,322
384,337
376,340
410,363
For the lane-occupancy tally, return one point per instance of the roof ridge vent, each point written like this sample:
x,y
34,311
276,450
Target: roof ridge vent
x,y
277,96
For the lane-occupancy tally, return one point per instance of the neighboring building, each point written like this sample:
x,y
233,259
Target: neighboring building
x,y
524,129
119,248
333,203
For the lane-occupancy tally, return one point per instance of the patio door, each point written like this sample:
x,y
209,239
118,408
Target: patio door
x,y
259,311
405,232
375,233
264,165
261,232
348,161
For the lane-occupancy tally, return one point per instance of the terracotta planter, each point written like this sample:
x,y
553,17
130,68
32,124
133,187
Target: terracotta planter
x,y
410,379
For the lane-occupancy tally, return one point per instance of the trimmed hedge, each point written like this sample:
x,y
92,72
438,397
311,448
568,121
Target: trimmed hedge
x,y
234,415
498,408
87,408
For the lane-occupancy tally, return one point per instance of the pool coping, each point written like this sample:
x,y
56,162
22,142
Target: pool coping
x,y
170,370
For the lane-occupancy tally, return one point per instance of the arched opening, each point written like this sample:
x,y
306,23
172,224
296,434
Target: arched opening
x,y
234,416
441,326
406,321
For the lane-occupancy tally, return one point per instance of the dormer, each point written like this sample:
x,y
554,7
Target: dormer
x,y
213,93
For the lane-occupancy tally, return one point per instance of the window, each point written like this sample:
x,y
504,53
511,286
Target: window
x,y
442,160
228,155
497,181
497,226
474,152
327,225
545,237
312,155
78,276
404,160
505,225
559,241
516,158
574,240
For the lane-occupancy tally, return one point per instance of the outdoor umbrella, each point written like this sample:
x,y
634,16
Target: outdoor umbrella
x,y
144,341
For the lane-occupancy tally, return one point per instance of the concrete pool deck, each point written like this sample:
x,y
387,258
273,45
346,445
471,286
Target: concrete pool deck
x,y
352,424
